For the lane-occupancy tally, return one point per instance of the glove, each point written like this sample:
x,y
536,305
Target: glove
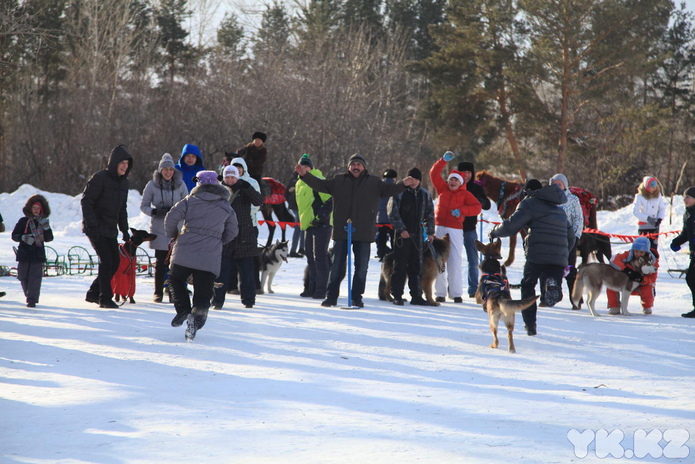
x,y
154,212
652,221
456,213
675,247
160,212
633,275
28,239
126,236
43,224
658,222
448,156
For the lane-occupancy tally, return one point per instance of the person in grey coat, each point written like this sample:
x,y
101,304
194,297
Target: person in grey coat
x,y
209,222
547,243
161,193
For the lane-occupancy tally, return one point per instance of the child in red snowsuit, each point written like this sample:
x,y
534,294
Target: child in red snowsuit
x,y
647,288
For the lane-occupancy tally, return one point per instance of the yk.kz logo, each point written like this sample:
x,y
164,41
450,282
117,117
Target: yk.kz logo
x,y
655,443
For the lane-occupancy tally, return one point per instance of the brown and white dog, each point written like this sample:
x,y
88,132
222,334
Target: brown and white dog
x,y
493,293
593,277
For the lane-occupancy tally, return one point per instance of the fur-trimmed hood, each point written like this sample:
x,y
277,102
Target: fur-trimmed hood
x,y
209,192
177,179
33,199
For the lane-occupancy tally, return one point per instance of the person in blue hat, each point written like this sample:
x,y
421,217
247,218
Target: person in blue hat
x,y
647,287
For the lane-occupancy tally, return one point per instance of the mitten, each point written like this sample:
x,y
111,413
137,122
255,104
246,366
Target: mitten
x,y
28,239
126,236
633,275
675,247
154,212
658,222
43,224
448,156
456,213
652,221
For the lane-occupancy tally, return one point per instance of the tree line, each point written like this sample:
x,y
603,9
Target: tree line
x,y
601,90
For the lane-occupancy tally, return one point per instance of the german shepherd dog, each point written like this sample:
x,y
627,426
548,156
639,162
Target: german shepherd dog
x,y
594,276
271,260
431,267
123,282
493,293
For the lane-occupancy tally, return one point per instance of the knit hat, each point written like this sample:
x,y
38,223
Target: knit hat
x,y
230,171
641,244
306,161
166,162
415,174
561,178
689,192
466,166
390,174
206,177
259,135
650,183
533,184
457,175
359,158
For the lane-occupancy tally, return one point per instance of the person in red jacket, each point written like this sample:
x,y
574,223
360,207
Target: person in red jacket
x,y
454,203
646,289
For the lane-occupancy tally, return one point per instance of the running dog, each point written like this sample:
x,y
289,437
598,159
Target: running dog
x,y
431,267
594,276
271,260
493,293
123,282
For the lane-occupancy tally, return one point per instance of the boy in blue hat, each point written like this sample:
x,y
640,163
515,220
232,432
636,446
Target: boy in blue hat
x,y
646,290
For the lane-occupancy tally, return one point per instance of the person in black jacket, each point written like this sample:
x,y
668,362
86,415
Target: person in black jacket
x,y
103,214
546,245
32,232
2,229
469,223
409,212
688,235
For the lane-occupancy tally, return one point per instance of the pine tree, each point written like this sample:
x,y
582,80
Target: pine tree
x,y
170,17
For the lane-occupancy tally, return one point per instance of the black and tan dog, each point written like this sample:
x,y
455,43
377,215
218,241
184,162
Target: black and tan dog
x,y
123,282
493,293
431,267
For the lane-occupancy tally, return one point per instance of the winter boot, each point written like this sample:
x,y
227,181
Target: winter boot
x,y
689,315
614,311
191,328
553,292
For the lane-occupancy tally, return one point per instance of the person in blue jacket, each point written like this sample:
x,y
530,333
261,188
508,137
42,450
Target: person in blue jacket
x,y
190,164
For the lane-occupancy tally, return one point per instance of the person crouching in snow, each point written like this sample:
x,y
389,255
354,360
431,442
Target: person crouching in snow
x,y
454,204
646,290
32,231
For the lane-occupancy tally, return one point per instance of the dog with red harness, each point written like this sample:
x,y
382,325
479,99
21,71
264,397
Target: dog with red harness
x,y
123,282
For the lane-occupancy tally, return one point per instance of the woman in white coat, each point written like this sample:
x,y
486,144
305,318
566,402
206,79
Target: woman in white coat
x,y
161,193
649,208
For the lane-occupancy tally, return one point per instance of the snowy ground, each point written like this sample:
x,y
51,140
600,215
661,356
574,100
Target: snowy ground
x,y
292,382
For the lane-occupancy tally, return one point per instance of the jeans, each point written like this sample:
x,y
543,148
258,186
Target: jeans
x,y
469,238
360,251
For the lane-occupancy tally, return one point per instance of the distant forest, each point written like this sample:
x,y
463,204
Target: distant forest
x,y
600,90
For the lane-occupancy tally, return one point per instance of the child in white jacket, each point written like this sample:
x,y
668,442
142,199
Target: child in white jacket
x,y
649,208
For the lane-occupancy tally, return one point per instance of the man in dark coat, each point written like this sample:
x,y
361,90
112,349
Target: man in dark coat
x,y
546,245
408,211
255,155
469,223
356,196
103,214
687,235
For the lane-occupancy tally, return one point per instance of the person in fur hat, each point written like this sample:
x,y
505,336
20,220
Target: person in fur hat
x,y
209,222
32,231
104,212
255,154
454,204
161,193
649,208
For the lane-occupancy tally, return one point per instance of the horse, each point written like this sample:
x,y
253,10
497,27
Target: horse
x,y
274,202
506,194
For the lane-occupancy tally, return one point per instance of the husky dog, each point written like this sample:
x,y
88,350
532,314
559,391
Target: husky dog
x,y
493,293
123,281
595,276
271,260
431,266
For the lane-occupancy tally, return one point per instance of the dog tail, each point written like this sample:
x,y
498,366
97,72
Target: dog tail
x,y
518,305
512,246
578,289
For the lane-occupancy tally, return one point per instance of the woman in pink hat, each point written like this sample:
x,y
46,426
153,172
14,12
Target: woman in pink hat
x,y
649,208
